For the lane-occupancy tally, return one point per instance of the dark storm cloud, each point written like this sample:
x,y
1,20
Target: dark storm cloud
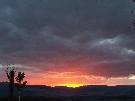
x,y
96,36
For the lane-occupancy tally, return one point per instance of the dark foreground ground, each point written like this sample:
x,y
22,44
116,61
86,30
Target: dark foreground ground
x,y
60,93
73,98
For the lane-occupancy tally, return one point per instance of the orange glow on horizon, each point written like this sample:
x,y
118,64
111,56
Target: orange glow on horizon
x,y
74,79
71,85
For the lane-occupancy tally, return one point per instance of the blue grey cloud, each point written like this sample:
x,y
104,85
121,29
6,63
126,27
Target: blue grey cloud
x,y
96,36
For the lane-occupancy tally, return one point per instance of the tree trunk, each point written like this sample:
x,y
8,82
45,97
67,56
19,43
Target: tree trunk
x,y
19,95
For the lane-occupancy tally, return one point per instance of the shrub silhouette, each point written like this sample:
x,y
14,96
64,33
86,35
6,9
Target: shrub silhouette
x,y
19,79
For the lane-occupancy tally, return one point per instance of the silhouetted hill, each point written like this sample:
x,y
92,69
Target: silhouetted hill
x,y
90,92
4,89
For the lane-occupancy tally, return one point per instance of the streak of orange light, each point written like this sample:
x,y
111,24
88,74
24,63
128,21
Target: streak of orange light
x,y
71,85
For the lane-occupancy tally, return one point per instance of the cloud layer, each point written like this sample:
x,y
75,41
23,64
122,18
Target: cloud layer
x,y
93,37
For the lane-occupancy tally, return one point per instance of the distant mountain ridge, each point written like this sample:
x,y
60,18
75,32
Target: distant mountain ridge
x,y
90,90
4,89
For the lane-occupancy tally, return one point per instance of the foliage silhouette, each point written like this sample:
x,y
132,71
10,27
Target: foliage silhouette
x,y
10,76
19,78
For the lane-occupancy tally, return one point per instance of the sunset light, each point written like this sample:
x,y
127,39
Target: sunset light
x,y
69,42
71,85
67,48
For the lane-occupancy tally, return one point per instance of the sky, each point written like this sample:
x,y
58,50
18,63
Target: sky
x,y
69,42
